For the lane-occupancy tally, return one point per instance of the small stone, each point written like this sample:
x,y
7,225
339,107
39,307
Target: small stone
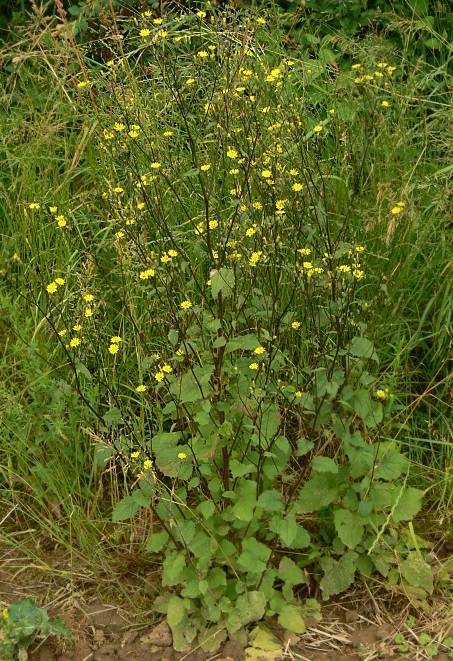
x,y
160,635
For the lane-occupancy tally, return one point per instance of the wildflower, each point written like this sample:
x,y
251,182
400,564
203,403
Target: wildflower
x,y
59,281
260,20
385,104
147,464
168,134
255,257
52,288
119,234
77,328
114,348
382,393
145,33
155,166
266,174
147,273
359,248
304,251
190,81
116,339
88,312
253,366
168,369
257,205
63,332
182,455
201,14
259,351
159,376
358,274
298,394
186,305
141,388
233,171
15,257
88,298
61,221
83,83
295,325
344,268
251,230
53,209
118,126
158,21
398,208
297,187
317,128
135,454
34,205
133,134
74,342
213,224
202,54
173,253
307,265
205,167
293,172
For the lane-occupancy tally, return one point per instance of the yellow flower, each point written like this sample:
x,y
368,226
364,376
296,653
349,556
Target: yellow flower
x,y
158,21
173,253
116,339
213,224
88,298
135,454
253,366
141,388
145,33
159,376
61,220
53,209
186,305
190,81
383,393
119,234
114,348
317,128
295,325
88,312
260,20
266,174
148,273
297,187
232,153
385,104
52,288
304,251
168,369
257,205
168,134
182,455
34,205
118,126
398,208
74,342
133,134
344,268
298,394
147,464
63,332
77,328
259,351
205,167
155,166
293,172
255,258
59,281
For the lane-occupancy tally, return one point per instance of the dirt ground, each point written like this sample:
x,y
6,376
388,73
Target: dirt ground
x,y
357,627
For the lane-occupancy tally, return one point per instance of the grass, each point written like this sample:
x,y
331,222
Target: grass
x,y
71,417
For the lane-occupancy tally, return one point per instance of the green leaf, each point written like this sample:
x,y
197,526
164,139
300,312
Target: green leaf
x,y
193,385
391,465
173,567
112,417
244,508
318,492
349,527
173,336
264,640
338,574
361,347
271,501
409,504
176,611
254,556
251,605
222,280
304,447
206,509
286,528
324,465
289,572
417,572
129,506
269,422
291,618
156,541
244,342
